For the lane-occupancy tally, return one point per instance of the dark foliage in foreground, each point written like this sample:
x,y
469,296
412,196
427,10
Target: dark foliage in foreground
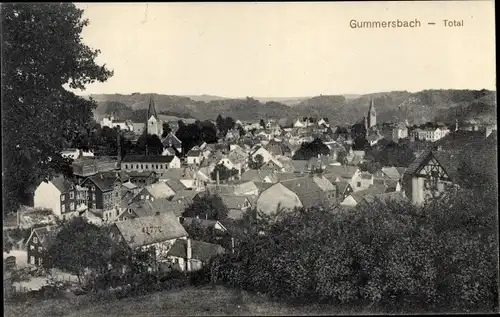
x,y
399,258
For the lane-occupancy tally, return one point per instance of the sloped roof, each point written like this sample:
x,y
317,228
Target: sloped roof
x,y
341,186
151,229
185,194
193,153
129,185
258,176
298,165
175,184
46,235
344,171
159,190
307,190
172,173
392,172
372,190
233,201
324,183
61,183
171,139
104,182
449,160
200,250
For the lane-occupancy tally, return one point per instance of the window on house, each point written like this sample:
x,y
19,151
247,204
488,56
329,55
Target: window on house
x,y
40,261
32,260
72,206
117,212
35,240
32,247
161,166
142,166
62,197
126,166
93,197
358,184
137,166
39,249
63,208
71,195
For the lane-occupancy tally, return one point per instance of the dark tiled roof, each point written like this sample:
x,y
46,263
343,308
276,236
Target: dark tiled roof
x,y
194,153
61,183
46,235
176,185
200,250
149,158
136,233
308,191
104,182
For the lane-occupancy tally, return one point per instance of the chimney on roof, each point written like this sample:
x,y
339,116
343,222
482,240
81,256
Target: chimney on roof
x,y
188,255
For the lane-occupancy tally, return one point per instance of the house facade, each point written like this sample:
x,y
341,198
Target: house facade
x,y
155,233
429,176
104,195
38,243
60,195
158,164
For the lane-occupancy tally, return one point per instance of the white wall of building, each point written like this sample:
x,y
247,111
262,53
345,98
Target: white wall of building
x,y
49,197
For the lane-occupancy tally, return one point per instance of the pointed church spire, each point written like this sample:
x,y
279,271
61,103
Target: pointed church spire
x,y
372,107
151,109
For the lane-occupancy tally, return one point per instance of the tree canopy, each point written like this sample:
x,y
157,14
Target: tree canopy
x,y
42,53
312,149
80,245
224,172
209,206
195,134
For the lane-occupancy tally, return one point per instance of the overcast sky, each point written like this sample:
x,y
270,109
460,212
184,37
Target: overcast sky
x,y
289,49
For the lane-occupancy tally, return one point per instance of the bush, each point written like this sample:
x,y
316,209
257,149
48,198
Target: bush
x,y
440,257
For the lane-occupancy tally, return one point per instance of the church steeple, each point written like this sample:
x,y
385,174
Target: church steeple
x,y
152,109
372,115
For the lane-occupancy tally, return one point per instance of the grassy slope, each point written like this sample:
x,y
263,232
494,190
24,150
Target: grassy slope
x,y
188,301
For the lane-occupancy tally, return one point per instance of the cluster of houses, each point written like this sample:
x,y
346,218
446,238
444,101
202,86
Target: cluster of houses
x,y
142,198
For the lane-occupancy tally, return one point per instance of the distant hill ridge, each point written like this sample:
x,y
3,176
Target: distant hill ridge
x,y
418,107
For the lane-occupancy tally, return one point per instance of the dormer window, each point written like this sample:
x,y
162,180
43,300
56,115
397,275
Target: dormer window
x,y
35,240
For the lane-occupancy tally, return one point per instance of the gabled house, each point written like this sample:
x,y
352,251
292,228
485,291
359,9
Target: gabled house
x,y
190,255
347,173
266,156
154,191
171,141
236,205
344,189
154,233
194,157
104,194
354,198
298,192
430,175
62,196
264,176
38,243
